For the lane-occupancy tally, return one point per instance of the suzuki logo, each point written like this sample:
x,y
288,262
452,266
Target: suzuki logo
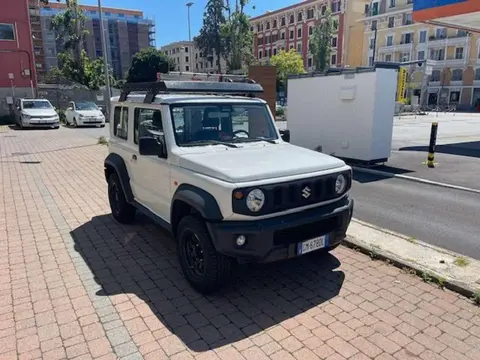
x,y
306,192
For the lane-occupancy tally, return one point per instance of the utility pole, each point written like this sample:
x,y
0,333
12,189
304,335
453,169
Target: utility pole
x,y
189,5
105,58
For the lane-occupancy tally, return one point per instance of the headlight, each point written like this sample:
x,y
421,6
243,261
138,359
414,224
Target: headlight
x,y
80,115
26,117
340,184
255,200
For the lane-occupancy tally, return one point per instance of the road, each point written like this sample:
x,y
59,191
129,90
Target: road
x,y
439,216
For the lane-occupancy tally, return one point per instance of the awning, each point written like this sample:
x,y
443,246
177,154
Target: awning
x,y
459,14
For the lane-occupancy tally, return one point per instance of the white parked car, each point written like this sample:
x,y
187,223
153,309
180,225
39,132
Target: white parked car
x,y
36,113
84,113
213,169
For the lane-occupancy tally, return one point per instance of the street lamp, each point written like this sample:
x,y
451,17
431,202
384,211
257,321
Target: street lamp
x,y
189,5
105,59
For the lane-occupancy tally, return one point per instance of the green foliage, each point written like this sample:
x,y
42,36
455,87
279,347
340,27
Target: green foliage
x,y
287,63
211,39
321,41
147,63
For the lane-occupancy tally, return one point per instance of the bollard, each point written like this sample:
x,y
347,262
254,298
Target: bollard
x,y
431,146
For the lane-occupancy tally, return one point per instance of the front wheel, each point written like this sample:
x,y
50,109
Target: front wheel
x,y
122,211
203,267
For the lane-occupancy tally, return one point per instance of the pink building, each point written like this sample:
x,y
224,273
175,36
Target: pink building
x,y
17,70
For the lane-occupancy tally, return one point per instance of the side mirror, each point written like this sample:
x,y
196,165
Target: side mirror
x,y
100,108
151,146
285,134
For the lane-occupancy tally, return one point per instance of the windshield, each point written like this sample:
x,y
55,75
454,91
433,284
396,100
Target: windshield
x,y
37,104
86,105
197,124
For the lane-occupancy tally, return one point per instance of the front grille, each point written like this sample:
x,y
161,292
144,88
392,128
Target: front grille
x,y
294,194
306,231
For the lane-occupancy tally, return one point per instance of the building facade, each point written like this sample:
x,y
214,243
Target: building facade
x,y
17,70
187,57
291,28
453,55
127,33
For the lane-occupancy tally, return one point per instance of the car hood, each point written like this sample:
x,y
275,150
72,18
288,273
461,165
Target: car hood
x,y
90,112
39,112
254,162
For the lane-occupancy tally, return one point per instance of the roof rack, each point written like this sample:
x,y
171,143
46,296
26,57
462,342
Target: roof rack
x,y
152,89
191,76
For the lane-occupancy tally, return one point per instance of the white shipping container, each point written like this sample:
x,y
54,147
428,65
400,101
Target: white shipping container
x,y
347,114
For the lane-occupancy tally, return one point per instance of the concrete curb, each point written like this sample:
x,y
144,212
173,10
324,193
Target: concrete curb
x,y
414,179
415,255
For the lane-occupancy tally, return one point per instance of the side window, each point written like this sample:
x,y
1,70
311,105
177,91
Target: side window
x,y
120,122
147,123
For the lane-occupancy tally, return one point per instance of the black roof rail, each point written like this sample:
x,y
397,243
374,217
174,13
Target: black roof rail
x,y
152,89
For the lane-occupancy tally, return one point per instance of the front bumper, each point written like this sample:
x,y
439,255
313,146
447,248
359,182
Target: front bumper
x,y
90,122
41,123
277,238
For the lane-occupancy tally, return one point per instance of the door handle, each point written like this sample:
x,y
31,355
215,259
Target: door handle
x,y
134,157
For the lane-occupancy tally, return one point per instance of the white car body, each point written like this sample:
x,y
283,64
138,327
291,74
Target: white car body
x,y
78,117
36,113
158,174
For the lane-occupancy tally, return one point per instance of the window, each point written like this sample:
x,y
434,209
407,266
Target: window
x,y
299,47
7,32
274,24
441,33
186,49
389,40
310,30
299,16
462,33
374,24
274,51
268,25
310,14
477,74
292,19
147,123
186,58
457,75
435,75
392,3
335,6
282,21
333,59
421,55
404,56
309,63
454,97
283,35
292,34
120,122
391,21
324,9
205,124
187,68
334,42
299,33
388,57
459,53
422,37
438,54
407,19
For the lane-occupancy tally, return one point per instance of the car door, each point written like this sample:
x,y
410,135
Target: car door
x,y
150,177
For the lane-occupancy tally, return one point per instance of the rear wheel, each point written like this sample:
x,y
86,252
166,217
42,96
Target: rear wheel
x,y
122,211
203,267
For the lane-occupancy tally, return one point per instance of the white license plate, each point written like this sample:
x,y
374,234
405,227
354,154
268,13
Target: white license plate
x,y
311,245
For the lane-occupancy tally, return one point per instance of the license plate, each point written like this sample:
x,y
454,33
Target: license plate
x,y
311,245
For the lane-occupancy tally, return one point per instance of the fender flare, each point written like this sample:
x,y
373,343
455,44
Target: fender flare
x,y
116,162
200,200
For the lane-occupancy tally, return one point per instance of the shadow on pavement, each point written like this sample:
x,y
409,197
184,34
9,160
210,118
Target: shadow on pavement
x,y
365,178
470,149
141,259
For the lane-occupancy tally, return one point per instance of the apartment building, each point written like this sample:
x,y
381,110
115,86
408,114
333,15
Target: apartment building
x,y
17,72
187,57
128,31
291,28
453,55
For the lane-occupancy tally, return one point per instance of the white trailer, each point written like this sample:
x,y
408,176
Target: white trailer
x,y
347,113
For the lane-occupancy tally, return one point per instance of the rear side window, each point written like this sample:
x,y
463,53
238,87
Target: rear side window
x,y
120,122
147,123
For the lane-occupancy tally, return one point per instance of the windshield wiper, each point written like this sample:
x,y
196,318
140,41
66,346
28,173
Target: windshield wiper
x,y
210,142
254,139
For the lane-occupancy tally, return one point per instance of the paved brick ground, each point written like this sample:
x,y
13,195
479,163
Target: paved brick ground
x,y
74,284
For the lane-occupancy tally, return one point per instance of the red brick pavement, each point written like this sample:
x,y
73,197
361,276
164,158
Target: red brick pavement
x,y
74,284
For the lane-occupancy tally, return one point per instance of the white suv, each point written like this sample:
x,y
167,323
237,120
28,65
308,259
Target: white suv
x,y
206,161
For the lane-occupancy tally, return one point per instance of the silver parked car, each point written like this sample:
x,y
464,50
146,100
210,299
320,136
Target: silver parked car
x,y
36,113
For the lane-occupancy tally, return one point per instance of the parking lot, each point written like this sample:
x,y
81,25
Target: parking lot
x,y
74,284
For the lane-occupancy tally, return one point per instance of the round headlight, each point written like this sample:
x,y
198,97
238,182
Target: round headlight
x,y
255,200
340,184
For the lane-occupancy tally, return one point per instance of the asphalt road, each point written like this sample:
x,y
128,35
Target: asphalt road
x,y
439,216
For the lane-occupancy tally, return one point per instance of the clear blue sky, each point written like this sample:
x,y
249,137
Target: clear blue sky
x,y
171,19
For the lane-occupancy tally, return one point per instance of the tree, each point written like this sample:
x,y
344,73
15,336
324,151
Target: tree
x,y
147,63
321,41
287,63
237,36
211,40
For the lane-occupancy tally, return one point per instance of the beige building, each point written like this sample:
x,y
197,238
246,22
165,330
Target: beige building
x,y
188,58
452,55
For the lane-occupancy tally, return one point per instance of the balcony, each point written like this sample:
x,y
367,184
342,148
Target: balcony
x,y
404,46
443,41
452,61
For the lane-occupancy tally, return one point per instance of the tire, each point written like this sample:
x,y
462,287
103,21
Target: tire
x,y
216,267
122,211
102,125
